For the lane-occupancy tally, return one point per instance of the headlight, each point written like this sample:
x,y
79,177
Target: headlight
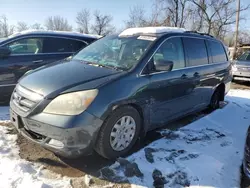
x,y
234,68
71,103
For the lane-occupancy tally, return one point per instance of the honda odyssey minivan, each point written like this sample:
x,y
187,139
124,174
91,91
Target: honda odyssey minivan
x,y
118,88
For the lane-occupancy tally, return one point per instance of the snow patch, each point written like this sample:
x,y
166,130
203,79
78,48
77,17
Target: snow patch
x,y
205,153
150,30
16,172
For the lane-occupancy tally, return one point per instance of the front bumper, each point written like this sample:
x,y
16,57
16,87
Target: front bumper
x,y
78,138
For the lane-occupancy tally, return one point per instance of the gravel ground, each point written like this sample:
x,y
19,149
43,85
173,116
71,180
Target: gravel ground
x,y
92,164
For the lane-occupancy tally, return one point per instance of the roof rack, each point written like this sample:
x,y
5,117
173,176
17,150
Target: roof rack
x,y
200,33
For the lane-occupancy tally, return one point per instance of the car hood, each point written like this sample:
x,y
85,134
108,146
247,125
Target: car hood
x,y
63,75
242,63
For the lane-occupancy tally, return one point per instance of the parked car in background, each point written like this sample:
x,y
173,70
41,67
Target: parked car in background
x,y
118,88
32,49
241,67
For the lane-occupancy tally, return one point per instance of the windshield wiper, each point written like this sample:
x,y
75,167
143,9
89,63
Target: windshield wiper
x,y
105,66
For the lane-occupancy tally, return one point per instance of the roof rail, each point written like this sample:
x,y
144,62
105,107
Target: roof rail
x,y
200,33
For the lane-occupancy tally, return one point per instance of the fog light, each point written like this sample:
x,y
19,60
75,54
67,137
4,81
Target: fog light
x,y
56,143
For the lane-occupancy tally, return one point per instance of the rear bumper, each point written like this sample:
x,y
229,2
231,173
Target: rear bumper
x,y
71,142
241,78
239,75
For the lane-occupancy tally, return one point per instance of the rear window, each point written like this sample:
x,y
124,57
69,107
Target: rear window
x,y
196,51
57,45
217,52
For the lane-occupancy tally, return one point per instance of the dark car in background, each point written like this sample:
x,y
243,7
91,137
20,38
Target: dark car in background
x,y
32,49
118,88
241,67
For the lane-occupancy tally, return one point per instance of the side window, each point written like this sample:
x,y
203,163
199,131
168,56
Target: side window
x,y
26,46
196,51
172,50
57,45
217,51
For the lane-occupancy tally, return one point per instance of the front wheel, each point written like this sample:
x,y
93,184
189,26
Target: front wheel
x,y
119,133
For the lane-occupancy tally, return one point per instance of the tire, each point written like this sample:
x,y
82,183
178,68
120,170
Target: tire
x,y
105,140
215,100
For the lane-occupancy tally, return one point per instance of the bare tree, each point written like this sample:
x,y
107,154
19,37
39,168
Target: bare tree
x,y
102,24
83,20
137,17
57,23
5,28
244,37
37,26
197,17
171,12
176,9
216,15
22,26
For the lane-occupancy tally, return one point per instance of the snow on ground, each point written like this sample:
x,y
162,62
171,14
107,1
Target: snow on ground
x,y
16,172
206,153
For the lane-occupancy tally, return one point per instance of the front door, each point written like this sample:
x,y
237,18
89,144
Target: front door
x,y
171,93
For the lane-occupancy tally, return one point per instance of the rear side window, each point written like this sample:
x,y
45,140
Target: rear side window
x,y
57,45
217,52
196,51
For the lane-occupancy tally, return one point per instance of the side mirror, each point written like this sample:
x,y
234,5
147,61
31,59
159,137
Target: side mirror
x,y
163,65
4,52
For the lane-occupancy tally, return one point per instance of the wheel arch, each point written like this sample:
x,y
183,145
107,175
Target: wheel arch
x,y
115,108
140,110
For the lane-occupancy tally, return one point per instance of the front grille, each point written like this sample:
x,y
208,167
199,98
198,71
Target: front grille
x,y
25,99
34,135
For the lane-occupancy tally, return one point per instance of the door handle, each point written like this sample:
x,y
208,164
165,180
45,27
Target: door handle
x,y
184,76
196,74
37,61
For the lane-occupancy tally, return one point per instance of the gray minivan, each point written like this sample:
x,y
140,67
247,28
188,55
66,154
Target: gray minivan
x,y
118,88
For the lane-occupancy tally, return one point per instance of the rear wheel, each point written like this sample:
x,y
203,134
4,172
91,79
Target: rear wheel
x,y
119,133
215,100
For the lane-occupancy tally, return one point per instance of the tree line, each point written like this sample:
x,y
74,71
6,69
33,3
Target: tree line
x,y
96,23
215,17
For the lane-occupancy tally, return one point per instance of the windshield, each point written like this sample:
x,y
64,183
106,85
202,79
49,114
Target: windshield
x,y
114,51
244,57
